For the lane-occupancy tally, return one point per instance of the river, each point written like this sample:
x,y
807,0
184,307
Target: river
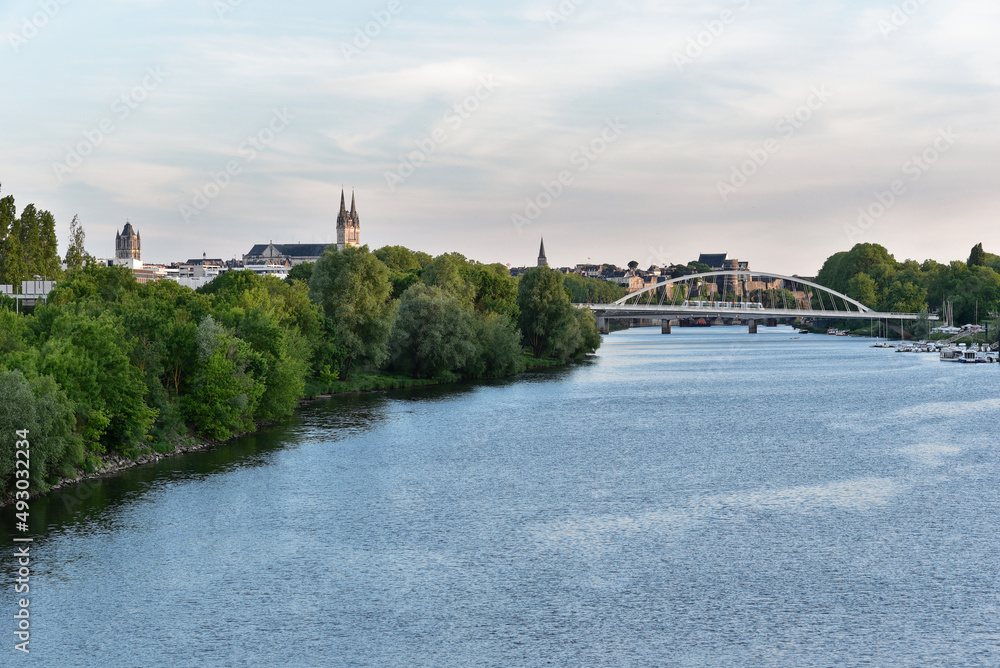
x,y
707,498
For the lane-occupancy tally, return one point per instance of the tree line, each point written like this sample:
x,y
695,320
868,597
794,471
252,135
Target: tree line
x,y
28,245
871,275
111,366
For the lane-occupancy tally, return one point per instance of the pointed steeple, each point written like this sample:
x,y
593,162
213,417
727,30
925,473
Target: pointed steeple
x,y
343,206
542,261
354,209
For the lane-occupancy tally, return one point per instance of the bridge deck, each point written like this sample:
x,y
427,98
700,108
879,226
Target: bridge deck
x,y
666,310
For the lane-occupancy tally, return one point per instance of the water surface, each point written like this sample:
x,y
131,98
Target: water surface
x,y
707,498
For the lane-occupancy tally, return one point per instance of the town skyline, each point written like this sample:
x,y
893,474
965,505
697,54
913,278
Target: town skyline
x,y
782,133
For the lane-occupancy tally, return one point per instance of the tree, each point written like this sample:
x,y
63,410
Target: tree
x,y
40,407
633,265
31,239
401,259
47,261
547,319
904,298
587,290
496,291
87,352
224,392
862,287
13,268
76,254
453,274
498,343
977,257
434,333
352,286
301,272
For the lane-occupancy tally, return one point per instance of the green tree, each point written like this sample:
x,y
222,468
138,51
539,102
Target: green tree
x,y
453,274
588,290
224,392
401,259
498,347
39,406
352,286
904,298
633,265
76,254
13,268
862,287
47,262
29,227
977,257
434,333
87,353
548,319
496,291
301,272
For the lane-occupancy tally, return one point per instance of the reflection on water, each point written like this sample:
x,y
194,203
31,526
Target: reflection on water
x,y
703,498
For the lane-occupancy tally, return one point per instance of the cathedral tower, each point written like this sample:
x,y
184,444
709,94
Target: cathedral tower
x,y
128,245
542,262
348,225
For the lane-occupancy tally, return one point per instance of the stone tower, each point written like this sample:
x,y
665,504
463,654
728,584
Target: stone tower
x,y
348,225
128,245
542,262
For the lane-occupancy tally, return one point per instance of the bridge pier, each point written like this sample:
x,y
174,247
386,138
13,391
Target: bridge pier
x,y
753,326
665,326
602,325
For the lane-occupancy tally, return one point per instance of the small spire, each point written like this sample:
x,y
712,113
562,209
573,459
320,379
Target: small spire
x,y
354,210
343,205
542,261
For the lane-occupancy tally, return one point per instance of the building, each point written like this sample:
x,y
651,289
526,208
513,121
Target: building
x,y
293,254
128,247
542,262
348,225
273,255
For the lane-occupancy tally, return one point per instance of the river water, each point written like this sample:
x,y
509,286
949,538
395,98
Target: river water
x,y
707,498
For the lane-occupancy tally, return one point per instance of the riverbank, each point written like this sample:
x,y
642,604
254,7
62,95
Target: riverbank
x,y
113,463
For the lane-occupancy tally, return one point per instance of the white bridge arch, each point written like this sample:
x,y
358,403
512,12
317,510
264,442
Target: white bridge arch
x,y
770,300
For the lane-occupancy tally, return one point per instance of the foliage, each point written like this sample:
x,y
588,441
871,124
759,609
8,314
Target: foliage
x,y
434,333
548,320
352,286
495,290
28,244
76,254
453,274
588,290
41,407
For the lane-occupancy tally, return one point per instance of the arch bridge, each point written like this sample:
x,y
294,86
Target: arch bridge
x,y
739,296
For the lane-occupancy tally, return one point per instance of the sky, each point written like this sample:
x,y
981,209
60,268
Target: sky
x,y
777,131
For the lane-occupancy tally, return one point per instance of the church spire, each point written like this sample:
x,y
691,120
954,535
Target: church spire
x,y
343,206
542,261
354,210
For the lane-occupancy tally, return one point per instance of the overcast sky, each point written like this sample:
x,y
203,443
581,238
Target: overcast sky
x,y
753,127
